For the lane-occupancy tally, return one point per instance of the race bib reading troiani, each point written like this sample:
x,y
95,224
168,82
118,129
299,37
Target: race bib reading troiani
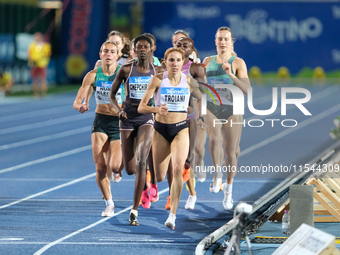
x,y
176,99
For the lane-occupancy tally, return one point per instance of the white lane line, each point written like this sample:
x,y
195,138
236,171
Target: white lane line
x,y
99,200
243,180
47,180
46,123
103,220
305,123
60,99
263,99
100,243
34,162
46,247
25,115
244,152
49,190
141,239
11,239
46,138
14,100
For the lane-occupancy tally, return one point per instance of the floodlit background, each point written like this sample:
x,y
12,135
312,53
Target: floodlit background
x,y
286,38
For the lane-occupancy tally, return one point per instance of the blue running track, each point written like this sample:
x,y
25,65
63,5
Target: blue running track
x,y
50,202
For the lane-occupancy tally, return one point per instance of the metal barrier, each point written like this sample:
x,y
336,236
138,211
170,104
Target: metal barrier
x,y
268,204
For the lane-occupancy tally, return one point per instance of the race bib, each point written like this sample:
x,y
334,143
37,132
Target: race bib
x,y
138,86
176,99
224,93
102,91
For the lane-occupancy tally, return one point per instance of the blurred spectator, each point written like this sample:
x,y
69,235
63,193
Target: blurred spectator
x,y
6,82
132,52
39,53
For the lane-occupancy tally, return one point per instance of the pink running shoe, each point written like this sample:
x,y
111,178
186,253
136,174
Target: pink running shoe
x,y
145,199
154,193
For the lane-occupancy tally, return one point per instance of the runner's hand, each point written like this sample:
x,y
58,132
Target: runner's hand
x,y
84,108
163,110
122,116
201,124
227,67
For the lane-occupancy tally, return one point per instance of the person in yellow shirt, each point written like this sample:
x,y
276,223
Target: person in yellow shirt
x,y
6,82
39,53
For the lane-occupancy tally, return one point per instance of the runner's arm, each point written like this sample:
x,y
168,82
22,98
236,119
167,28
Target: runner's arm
x,y
83,92
152,87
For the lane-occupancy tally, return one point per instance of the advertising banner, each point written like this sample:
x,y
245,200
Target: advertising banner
x,y
84,28
268,35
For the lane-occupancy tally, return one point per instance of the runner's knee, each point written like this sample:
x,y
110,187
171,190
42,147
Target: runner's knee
x,y
215,142
115,165
160,176
177,170
101,170
231,155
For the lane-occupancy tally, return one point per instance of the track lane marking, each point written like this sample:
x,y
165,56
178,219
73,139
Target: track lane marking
x,y
75,131
46,247
46,123
49,190
56,156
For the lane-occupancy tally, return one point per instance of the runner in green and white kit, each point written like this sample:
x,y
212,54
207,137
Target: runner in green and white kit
x,y
105,136
224,68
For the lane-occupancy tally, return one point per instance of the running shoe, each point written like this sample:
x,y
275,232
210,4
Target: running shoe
x,y
216,185
168,204
133,220
201,176
117,177
228,200
170,222
154,193
190,204
109,211
187,187
186,174
145,199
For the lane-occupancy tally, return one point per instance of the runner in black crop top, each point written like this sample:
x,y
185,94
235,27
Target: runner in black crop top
x,y
136,129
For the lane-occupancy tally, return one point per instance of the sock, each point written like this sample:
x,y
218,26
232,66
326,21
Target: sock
x,y
135,212
173,215
229,187
109,202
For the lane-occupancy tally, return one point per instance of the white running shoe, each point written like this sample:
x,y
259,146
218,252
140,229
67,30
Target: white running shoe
x,y
116,177
190,204
201,176
216,185
228,200
109,211
170,222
